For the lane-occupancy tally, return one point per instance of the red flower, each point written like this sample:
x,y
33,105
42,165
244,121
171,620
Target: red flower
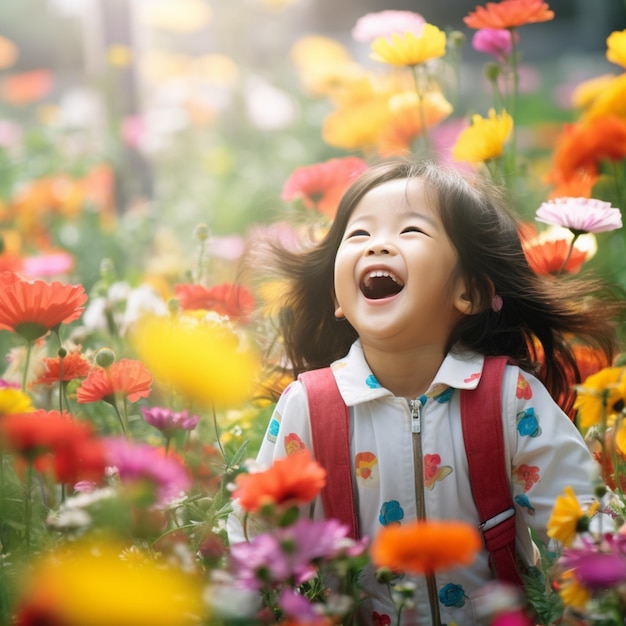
x,y
509,14
55,369
26,87
80,459
321,186
126,378
34,434
234,301
296,478
32,308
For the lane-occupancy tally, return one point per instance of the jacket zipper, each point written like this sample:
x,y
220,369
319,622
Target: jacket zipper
x,y
415,407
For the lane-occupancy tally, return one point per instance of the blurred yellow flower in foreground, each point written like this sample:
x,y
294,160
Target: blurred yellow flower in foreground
x,y
567,517
572,592
14,401
600,396
408,48
616,47
484,139
89,584
202,361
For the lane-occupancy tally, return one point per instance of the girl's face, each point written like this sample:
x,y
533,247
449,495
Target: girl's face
x,y
394,271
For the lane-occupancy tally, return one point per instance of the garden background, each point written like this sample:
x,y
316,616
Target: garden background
x,y
143,145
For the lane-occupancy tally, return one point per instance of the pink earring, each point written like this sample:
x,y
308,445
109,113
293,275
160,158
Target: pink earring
x,y
496,303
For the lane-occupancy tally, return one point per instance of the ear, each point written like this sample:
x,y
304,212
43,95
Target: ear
x,y
339,313
470,299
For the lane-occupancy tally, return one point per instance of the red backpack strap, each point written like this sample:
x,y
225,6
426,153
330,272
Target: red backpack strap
x,y
330,430
481,419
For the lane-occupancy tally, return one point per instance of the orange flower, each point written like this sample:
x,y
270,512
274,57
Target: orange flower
x,y
32,308
584,145
547,256
234,301
423,547
320,186
126,378
509,14
27,87
55,369
296,478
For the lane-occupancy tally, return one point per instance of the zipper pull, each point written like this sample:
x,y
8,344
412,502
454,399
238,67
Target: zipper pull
x,y
415,406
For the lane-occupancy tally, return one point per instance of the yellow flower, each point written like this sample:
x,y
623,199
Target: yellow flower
x,y
572,592
484,139
616,47
408,48
566,516
202,361
611,101
13,401
119,55
585,93
601,395
90,584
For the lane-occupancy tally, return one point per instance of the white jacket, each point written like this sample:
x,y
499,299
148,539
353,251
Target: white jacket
x,y
545,450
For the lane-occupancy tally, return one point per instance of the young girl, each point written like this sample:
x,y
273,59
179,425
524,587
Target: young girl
x,y
420,277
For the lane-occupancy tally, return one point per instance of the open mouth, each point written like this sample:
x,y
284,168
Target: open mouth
x,y
379,284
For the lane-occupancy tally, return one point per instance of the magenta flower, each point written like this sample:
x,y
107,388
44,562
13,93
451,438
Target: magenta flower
x,y
494,41
298,607
138,462
385,23
596,570
580,215
167,421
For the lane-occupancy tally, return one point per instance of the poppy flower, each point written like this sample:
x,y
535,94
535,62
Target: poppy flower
x,y
568,517
63,369
26,87
125,378
580,215
425,547
552,256
385,23
82,458
32,308
33,434
509,14
484,139
320,186
295,479
233,301
409,49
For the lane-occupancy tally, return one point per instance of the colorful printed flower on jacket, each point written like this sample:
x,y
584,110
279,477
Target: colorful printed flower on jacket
x,y
294,479
509,14
33,308
422,547
233,301
580,215
408,49
126,378
484,139
320,186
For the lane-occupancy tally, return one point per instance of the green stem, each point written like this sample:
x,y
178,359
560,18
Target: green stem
x,y
121,419
420,107
29,347
28,504
217,434
569,254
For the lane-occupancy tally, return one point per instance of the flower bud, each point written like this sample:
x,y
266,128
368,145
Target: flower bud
x,y
492,71
456,38
105,357
202,232
62,352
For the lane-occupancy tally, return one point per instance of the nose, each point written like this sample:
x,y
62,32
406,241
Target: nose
x,y
379,247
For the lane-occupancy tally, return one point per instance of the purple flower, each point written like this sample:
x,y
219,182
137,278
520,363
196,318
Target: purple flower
x,y
594,569
494,41
291,554
386,23
580,215
167,421
137,462
300,608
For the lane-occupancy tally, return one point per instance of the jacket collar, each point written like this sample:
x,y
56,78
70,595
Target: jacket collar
x,y
357,384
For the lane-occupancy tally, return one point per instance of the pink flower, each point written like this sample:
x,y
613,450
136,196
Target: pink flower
x,y
52,263
580,215
595,569
385,23
494,41
167,421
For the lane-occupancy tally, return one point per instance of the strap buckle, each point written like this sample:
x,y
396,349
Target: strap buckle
x,y
497,519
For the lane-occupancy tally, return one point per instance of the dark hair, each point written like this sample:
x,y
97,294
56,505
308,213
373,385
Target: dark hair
x,y
540,316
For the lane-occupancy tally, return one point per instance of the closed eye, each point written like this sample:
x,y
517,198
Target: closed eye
x,y
359,232
412,229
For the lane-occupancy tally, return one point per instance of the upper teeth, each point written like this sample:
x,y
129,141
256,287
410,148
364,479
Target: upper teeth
x,y
381,273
